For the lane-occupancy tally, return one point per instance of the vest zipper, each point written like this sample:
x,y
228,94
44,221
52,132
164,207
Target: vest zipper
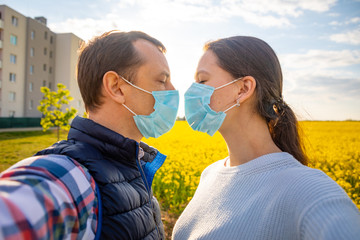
x,y
150,195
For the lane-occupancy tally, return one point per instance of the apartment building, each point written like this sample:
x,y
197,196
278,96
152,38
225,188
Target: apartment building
x,y
67,45
12,62
40,63
32,56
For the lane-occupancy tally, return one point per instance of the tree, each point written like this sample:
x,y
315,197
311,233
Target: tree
x,y
51,108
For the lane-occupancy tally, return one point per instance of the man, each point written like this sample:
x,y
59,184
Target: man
x,y
97,184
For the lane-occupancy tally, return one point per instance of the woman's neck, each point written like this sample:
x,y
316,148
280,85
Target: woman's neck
x,y
248,139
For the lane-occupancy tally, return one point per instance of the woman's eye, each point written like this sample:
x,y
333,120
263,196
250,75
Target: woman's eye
x,y
202,81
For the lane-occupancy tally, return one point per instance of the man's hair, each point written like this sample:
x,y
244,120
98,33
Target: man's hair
x,y
112,51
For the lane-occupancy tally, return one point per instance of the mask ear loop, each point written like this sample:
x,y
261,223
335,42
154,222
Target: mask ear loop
x,y
127,81
235,105
229,83
129,109
134,87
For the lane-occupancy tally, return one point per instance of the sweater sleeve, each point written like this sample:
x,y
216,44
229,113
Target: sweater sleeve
x,y
331,218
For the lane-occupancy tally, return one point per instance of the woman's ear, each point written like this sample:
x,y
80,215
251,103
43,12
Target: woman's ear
x,y
246,88
112,87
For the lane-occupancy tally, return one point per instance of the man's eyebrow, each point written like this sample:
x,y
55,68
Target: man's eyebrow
x,y
165,73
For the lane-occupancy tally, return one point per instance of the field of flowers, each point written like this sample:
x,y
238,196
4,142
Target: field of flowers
x,y
333,147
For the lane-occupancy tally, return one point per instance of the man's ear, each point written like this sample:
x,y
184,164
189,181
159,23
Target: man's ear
x,y
247,87
112,86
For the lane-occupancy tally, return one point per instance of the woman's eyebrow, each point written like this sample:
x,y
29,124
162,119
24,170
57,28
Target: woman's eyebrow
x,y
200,72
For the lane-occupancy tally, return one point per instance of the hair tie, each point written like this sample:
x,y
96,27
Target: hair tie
x,y
278,106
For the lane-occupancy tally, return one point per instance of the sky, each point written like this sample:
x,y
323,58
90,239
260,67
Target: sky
x,y
317,41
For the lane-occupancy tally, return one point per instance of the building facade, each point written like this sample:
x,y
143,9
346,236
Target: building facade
x,y
32,56
66,45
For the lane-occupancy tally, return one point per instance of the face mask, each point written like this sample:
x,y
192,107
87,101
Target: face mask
x,y
198,113
163,118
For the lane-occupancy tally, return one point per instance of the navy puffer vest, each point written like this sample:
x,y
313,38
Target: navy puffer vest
x,y
129,209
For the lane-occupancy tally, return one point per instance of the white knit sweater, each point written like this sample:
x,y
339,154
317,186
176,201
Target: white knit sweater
x,y
271,197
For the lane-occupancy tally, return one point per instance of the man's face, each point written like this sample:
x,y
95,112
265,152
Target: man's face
x,y
152,75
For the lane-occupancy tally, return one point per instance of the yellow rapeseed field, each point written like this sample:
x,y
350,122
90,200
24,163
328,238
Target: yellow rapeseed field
x,y
333,147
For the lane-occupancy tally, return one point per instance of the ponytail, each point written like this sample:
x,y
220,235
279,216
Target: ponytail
x,y
285,131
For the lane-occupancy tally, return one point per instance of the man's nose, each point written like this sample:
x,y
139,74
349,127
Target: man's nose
x,y
170,86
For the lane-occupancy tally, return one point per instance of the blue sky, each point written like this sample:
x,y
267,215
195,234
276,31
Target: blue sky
x,y
317,41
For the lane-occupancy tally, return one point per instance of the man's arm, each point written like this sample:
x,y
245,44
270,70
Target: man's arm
x,y
47,197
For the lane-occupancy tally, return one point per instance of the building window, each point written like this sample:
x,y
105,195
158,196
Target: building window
x,y
32,35
50,69
32,52
45,51
11,113
12,77
45,35
31,69
44,67
12,96
13,39
51,39
50,54
44,83
50,85
13,58
31,104
14,21
30,87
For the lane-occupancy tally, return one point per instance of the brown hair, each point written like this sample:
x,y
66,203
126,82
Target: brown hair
x,y
248,56
112,51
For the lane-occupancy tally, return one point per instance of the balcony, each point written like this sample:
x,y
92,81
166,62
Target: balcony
x,y
1,24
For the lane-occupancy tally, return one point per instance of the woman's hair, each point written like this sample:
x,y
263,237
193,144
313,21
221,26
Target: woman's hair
x,y
249,56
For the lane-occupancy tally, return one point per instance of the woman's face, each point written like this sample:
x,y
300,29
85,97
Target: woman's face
x,y
210,73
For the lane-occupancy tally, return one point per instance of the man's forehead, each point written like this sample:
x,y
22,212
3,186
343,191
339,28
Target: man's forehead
x,y
147,48
151,54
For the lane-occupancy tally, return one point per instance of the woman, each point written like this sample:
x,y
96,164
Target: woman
x,y
263,189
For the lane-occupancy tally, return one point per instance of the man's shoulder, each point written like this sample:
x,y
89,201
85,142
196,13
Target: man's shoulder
x,y
72,148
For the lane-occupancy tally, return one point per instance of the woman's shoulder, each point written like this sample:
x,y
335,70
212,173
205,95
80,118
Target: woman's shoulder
x,y
213,168
308,186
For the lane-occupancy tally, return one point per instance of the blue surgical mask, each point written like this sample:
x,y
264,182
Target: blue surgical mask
x,y
163,118
198,113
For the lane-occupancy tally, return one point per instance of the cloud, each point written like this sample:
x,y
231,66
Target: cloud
x,y
335,23
262,13
354,20
350,37
321,76
273,13
321,59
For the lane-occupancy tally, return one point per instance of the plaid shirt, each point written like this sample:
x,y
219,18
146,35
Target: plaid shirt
x,y
47,197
